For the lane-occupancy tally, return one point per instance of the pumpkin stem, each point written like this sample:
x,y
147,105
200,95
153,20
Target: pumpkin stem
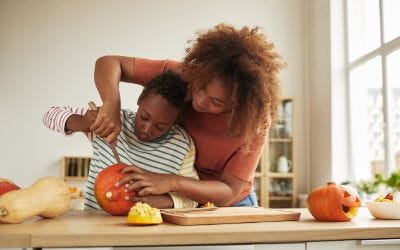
x,y
330,183
3,212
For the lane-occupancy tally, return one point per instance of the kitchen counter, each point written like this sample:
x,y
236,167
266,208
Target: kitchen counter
x,y
83,229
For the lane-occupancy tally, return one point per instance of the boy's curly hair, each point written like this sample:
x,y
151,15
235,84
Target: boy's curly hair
x,y
247,64
170,86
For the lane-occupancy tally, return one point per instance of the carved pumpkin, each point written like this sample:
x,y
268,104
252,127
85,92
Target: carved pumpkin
x,y
7,186
333,203
109,197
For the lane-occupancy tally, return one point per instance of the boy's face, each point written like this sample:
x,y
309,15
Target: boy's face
x,y
154,117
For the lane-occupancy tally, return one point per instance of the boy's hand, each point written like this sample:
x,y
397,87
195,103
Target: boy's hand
x,y
81,123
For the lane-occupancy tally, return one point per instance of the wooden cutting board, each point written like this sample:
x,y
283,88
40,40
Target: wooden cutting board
x,y
224,215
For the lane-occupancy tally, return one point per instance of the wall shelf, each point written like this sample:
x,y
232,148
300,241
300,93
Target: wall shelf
x,y
75,167
74,171
280,198
280,175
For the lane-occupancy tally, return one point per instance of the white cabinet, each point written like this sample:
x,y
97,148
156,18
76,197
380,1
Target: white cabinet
x,y
287,246
387,244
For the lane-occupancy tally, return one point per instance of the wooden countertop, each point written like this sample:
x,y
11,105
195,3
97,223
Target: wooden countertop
x,y
83,229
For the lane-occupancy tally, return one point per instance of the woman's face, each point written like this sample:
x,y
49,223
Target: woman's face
x,y
154,118
213,97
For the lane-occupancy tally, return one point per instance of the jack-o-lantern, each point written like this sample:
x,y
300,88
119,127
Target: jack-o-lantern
x,y
111,198
7,186
333,203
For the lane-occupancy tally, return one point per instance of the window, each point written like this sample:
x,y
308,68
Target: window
x,y
373,45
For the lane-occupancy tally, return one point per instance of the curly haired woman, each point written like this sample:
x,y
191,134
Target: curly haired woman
x,y
234,91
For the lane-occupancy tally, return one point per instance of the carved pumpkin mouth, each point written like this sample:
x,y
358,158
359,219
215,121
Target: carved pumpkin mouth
x,y
350,212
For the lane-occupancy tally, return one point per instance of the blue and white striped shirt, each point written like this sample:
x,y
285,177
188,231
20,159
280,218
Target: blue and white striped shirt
x,y
174,153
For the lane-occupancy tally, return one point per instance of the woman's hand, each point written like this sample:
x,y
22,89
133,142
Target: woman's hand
x,y
108,72
158,201
108,122
146,183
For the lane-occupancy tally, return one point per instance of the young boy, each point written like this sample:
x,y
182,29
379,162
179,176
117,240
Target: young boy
x,y
149,139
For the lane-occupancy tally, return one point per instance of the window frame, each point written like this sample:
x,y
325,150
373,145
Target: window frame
x,y
383,51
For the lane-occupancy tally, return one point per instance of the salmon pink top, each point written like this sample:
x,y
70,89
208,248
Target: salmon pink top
x,y
215,151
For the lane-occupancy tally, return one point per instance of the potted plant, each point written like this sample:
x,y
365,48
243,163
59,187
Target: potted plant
x,y
367,188
392,183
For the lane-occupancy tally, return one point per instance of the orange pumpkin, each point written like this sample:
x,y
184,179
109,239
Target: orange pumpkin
x,y
111,198
333,203
7,186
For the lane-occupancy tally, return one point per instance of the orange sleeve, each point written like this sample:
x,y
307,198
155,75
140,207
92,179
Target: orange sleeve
x,y
145,69
243,165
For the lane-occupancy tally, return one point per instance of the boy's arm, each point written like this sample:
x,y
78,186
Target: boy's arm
x,y
187,170
67,120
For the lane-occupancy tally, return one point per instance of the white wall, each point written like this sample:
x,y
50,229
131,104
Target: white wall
x,y
48,50
320,93
329,157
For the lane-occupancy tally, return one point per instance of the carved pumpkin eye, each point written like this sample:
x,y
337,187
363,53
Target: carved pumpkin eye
x,y
346,194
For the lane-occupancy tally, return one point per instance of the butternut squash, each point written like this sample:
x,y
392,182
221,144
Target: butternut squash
x,y
48,197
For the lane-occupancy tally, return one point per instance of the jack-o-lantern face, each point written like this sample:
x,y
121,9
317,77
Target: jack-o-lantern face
x,y
333,203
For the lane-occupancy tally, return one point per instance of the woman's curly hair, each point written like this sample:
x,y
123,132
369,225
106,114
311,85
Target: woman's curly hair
x,y
247,64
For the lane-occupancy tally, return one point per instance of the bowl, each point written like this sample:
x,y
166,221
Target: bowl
x,y
384,210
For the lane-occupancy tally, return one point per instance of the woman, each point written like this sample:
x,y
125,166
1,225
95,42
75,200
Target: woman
x,y
234,92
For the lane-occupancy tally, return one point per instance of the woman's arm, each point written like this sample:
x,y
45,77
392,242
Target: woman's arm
x,y
109,71
222,189
222,192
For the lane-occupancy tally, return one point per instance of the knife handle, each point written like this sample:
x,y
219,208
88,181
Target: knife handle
x,y
92,105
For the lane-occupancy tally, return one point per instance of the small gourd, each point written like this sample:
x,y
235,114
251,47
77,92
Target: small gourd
x,y
48,197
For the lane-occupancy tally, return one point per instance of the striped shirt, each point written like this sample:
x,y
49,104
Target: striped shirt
x,y
173,153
